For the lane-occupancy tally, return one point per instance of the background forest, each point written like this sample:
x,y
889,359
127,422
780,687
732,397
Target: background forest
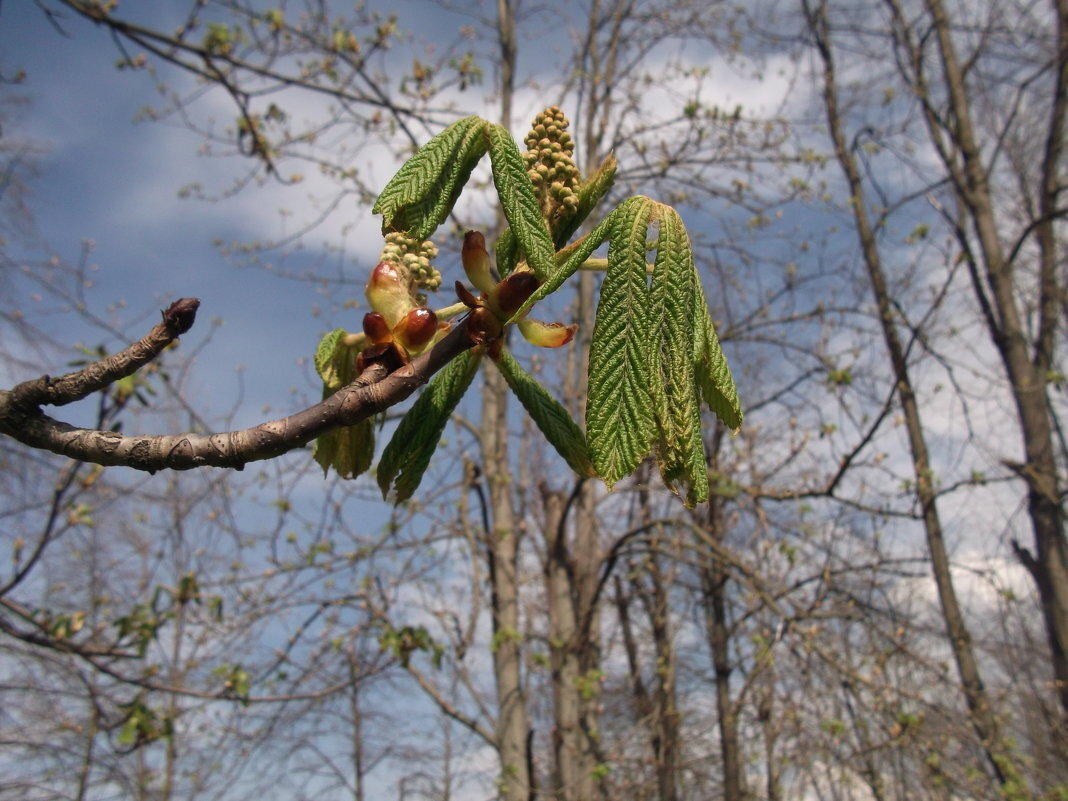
x,y
874,603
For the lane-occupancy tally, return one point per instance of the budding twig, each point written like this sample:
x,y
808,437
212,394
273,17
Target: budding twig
x,y
373,391
177,319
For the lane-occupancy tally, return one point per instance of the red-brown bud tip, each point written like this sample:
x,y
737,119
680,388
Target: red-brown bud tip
x,y
388,294
483,326
513,291
476,261
416,330
376,328
465,296
180,315
474,240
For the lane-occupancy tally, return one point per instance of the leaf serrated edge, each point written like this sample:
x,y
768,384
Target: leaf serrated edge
x,y
324,355
520,205
619,415
407,455
422,169
423,192
589,193
712,373
551,418
680,447
580,251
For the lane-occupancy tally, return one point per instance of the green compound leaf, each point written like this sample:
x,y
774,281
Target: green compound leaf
x,y
408,453
325,356
619,413
422,193
520,206
712,372
350,449
676,399
551,418
506,252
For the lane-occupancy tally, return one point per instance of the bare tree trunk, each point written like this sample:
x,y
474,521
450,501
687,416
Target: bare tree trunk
x,y
770,728
714,588
502,546
714,580
1028,373
643,704
357,728
574,760
666,725
573,565
85,769
982,716
869,771
656,709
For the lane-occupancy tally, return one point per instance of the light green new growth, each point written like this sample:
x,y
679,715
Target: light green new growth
x,y
619,412
408,453
654,355
415,257
551,418
349,449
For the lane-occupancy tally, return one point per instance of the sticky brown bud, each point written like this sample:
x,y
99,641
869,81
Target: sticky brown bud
x,y
465,296
376,328
513,291
476,261
180,315
416,330
388,294
483,326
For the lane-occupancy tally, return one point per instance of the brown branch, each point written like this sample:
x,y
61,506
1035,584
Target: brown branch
x,y
375,390
177,319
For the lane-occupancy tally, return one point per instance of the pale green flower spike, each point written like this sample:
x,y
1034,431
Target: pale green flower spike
x,y
550,164
413,258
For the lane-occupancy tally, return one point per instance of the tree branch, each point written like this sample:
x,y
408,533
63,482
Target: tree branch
x,y
374,390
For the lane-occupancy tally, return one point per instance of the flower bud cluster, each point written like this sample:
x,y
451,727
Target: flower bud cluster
x,y
395,322
499,300
414,258
550,163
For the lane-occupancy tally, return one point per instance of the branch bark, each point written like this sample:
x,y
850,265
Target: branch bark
x,y
377,388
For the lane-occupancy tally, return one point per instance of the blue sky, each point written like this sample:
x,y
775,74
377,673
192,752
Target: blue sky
x,y
106,178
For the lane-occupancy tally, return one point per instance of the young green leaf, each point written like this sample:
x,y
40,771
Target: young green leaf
x,y
506,252
349,449
589,194
324,359
581,251
520,205
679,448
711,370
619,412
408,453
550,417
422,193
